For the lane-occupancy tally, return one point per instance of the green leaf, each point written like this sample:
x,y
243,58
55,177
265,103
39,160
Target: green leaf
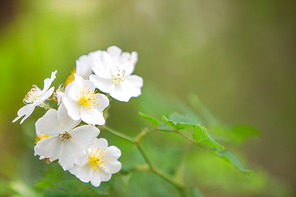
x,y
55,193
104,188
154,121
243,132
200,134
71,185
232,159
177,122
44,184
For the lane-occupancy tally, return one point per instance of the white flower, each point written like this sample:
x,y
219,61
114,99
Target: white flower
x,y
66,143
85,63
35,97
83,103
102,163
113,71
58,95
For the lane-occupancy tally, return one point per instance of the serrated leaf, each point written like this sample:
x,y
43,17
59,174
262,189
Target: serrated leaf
x,y
201,135
177,124
154,121
232,159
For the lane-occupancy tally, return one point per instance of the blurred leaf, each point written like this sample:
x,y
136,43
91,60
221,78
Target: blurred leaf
x,y
71,185
195,192
104,188
177,121
154,121
44,184
23,189
242,133
126,180
232,159
200,134
56,193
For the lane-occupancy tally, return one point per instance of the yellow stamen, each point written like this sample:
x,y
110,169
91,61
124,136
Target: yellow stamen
x,y
71,77
87,99
40,137
96,159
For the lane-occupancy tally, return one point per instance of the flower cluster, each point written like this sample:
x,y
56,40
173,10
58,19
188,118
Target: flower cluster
x,y
69,134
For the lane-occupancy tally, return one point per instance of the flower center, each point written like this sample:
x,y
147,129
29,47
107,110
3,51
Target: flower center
x,y
32,95
87,99
65,136
40,137
96,159
117,75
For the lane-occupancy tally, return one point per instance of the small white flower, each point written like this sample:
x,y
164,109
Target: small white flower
x,y
102,163
64,141
35,97
113,71
83,103
58,95
85,63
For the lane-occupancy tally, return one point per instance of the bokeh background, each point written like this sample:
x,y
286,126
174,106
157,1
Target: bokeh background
x,y
237,56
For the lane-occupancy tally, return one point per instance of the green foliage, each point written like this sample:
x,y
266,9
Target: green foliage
x,y
232,159
154,121
200,134
104,188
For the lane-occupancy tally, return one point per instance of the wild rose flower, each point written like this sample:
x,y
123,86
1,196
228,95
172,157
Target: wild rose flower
x,y
102,163
63,140
35,97
113,71
83,103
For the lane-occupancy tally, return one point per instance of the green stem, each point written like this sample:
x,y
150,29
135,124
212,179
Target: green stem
x,y
117,133
180,187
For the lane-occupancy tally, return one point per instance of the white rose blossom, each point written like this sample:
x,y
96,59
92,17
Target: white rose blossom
x,y
35,97
64,141
113,71
83,103
102,163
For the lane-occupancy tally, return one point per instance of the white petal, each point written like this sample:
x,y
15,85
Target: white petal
x,y
135,81
70,91
104,84
71,153
49,147
89,84
47,82
134,57
114,52
101,143
130,87
103,176
85,135
49,123
112,153
92,116
104,102
72,107
26,110
112,167
44,96
96,180
66,122
124,57
84,66
84,173
102,66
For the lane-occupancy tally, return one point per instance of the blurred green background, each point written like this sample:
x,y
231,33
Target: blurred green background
x,y
237,56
